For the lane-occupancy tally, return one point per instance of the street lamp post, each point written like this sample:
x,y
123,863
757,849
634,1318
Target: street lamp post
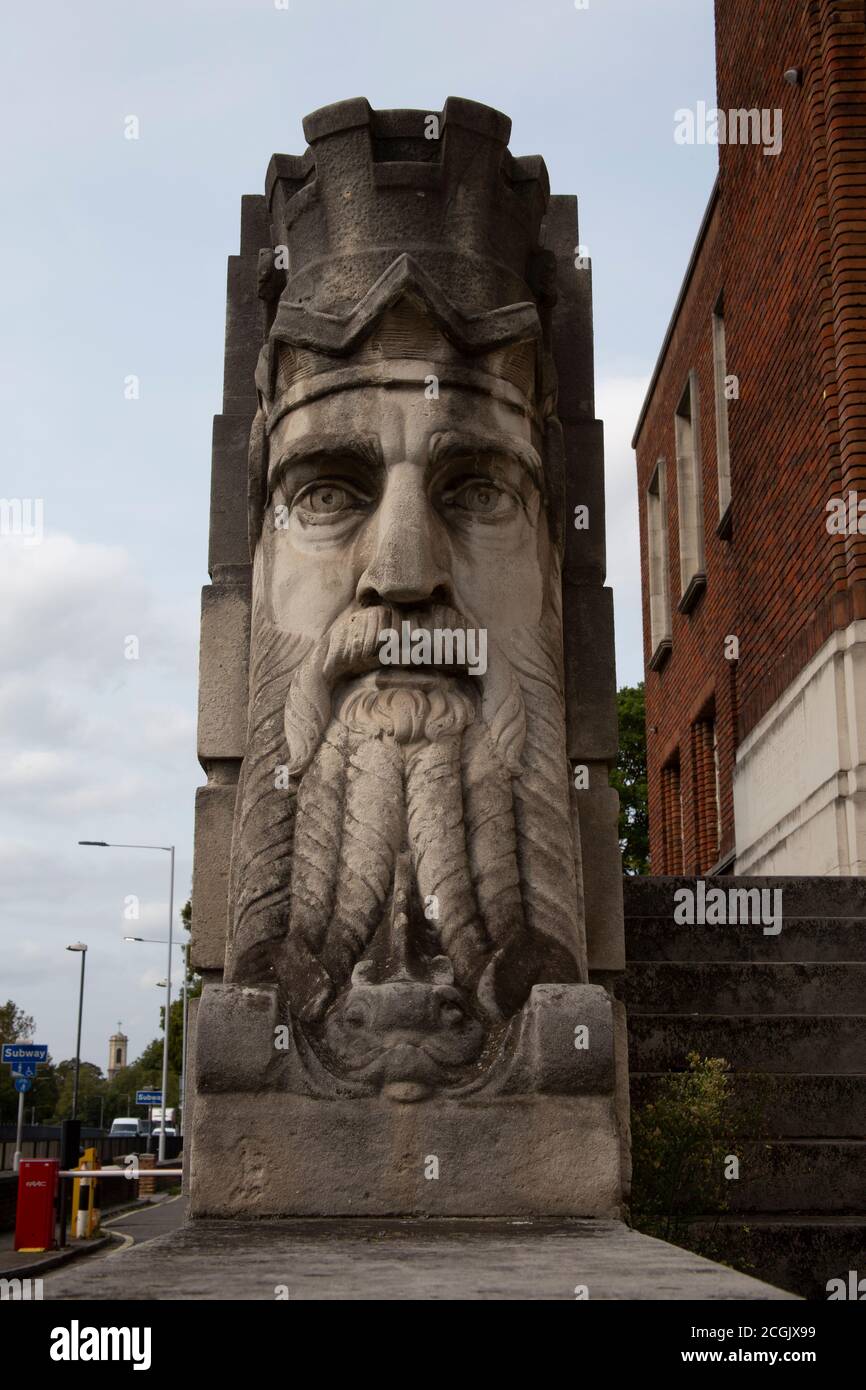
x,y
183,1037
182,946
160,984
78,946
104,844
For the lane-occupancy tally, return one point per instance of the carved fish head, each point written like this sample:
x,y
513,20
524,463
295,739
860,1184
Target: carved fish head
x,y
402,1036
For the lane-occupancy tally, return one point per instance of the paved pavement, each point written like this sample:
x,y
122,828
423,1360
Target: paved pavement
x,y
158,1217
143,1224
398,1260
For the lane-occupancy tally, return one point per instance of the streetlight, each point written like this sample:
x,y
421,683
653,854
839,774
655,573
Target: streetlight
x,y
169,849
182,946
78,946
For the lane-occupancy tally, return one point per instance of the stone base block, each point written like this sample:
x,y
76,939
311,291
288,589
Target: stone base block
x,y
289,1155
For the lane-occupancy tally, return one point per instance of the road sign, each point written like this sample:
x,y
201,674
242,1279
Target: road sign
x,y
25,1052
148,1097
23,1068
23,1083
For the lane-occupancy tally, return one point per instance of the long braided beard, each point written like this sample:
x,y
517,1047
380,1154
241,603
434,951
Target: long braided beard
x,y
468,777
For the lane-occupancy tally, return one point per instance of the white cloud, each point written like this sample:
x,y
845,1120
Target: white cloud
x,y
91,747
69,607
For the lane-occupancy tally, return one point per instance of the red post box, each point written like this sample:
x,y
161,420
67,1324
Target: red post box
x,y
37,1189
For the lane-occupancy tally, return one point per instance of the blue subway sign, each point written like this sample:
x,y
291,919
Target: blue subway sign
x,y
25,1052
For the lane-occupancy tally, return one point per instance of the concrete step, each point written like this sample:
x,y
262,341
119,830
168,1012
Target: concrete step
x,y
801,897
798,1175
801,939
799,1254
713,987
828,1045
783,1106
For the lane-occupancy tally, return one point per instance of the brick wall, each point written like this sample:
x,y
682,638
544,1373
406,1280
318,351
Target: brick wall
x,y
786,245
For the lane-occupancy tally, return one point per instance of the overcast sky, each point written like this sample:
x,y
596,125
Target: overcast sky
x,y
113,264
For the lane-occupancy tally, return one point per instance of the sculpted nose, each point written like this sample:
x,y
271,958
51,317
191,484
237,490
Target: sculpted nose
x,y
407,562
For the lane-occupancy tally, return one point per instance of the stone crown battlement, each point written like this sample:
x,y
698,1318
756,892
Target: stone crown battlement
x,y
441,184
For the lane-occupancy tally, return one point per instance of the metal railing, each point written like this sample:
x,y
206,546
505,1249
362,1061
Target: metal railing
x,y
106,1147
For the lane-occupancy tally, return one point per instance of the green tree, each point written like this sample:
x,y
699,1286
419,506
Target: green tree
x,y
15,1026
91,1091
629,777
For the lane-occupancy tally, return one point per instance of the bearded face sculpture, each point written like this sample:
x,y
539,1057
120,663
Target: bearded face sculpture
x,y
405,868
404,862
402,971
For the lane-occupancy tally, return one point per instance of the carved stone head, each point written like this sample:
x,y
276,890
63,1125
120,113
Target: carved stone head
x,y
403,862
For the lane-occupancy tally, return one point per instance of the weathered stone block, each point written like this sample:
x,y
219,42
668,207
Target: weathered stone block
x,y
565,1042
597,809
585,555
237,1036
243,336
223,671
214,810
229,540
188,1114
255,223
572,313
590,673
276,1155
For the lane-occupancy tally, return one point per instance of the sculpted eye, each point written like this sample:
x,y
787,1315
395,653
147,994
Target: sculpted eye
x,y
480,497
325,501
327,497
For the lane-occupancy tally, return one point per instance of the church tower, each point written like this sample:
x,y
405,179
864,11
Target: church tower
x,y
117,1045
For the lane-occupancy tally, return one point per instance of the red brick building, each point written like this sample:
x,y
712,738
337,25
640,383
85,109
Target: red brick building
x,y
755,420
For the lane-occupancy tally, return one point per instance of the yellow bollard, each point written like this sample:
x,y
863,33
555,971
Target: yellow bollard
x,y
93,1212
76,1195
80,1217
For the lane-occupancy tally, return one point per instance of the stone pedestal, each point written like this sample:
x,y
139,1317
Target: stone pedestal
x,y
407,902
536,1135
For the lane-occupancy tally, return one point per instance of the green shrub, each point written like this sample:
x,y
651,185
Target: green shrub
x,y
680,1142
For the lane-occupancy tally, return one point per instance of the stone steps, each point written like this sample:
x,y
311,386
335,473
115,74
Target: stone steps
x,y
720,987
823,1176
787,1106
831,1044
801,939
799,1253
824,898
788,1013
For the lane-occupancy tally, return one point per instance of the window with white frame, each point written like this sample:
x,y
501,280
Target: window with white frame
x,y
659,581
690,496
723,452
